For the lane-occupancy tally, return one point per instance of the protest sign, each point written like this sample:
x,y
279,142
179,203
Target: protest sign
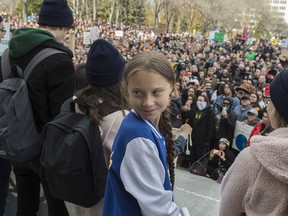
x,y
212,34
219,36
241,134
94,33
4,41
284,43
86,38
119,33
161,28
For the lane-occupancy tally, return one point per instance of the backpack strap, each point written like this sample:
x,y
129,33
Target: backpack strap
x,y
70,103
5,64
39,57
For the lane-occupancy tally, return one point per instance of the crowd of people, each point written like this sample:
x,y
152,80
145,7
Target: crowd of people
x,y
207,86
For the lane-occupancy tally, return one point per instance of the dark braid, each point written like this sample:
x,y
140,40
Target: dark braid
x,y
166,129
99,98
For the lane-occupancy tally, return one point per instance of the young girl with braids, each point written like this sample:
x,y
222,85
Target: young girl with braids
x,y
138,180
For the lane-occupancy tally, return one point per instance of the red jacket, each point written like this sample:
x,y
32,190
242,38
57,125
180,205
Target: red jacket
x,y
255,131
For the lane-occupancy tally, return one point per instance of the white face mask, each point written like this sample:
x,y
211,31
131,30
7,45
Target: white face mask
x,y
201,105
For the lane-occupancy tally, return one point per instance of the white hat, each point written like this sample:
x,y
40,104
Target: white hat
x,y
224,140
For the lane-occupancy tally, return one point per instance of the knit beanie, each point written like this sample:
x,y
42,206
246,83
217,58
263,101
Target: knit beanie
x,y
279,94
105,65
224,140
55,13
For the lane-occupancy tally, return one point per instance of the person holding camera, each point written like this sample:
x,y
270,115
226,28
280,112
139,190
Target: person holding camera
x,y
220,160
225,121
228,91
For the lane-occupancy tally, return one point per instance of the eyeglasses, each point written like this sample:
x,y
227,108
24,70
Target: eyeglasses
x,y
226,104
3,30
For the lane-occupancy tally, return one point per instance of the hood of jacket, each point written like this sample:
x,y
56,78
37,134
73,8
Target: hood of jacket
x,y
26,39
271,152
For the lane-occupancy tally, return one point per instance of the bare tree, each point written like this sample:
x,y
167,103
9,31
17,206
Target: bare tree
x,y
24,10
94,10
156,8
169,6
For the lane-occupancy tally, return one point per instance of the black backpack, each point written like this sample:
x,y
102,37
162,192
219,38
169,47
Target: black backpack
x,y
19,139
73,158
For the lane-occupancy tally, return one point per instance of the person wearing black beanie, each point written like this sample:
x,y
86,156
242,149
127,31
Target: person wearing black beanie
x,y
50,84
55,13
107,107
279,98
100,69
5,165
259,173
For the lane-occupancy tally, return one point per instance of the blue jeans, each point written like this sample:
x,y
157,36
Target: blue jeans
x,y
5,169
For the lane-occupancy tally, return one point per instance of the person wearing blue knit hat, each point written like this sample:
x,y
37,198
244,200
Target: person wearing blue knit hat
x,y
104,65
107,107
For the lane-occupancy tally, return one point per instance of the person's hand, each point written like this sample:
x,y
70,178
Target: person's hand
x,y
216,152
222,155
186,128
213,153
224,114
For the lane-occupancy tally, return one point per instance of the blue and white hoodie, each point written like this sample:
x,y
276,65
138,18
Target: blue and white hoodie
x,y
138,182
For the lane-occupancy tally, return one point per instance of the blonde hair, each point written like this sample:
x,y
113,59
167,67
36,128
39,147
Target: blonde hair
x,y
155,62
279,121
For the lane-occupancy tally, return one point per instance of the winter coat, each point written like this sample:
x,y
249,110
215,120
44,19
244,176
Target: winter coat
x,y
219,103
203,128
257,182
227,126
259,129
52,81
242,114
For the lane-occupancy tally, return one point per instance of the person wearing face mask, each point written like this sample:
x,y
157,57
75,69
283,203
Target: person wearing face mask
x,y
225,121
202,121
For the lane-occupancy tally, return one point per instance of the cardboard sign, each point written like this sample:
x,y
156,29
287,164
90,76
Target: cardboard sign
x,y
241,134
193,48
212,34
161,28
94,33
284,43
86,38
119,33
